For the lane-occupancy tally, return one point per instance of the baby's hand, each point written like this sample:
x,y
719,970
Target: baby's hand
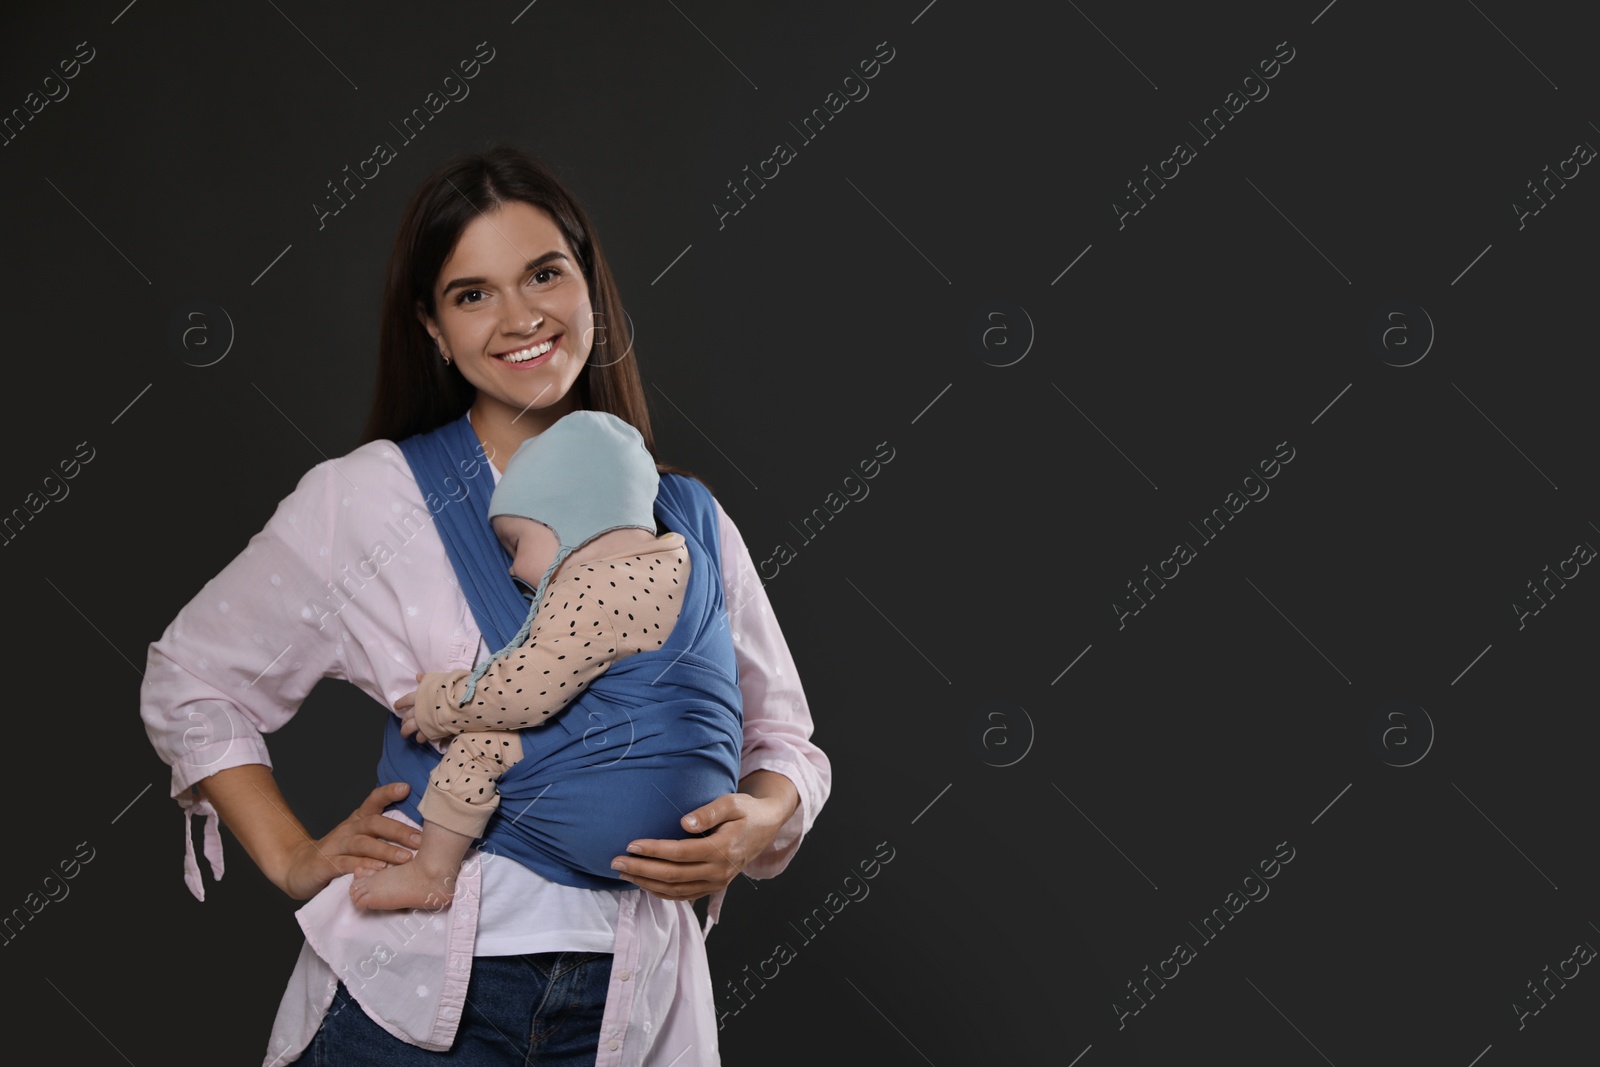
x,y
407,707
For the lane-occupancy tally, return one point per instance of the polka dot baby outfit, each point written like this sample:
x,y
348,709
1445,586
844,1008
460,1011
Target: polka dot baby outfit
x,y
592,615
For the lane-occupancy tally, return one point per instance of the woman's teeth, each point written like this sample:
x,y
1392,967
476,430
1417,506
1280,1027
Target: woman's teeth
x,y
522,355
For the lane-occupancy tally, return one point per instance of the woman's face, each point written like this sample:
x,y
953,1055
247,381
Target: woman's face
x,y
513,315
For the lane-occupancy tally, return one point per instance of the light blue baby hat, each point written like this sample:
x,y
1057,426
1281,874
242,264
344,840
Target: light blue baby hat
x,y
587,474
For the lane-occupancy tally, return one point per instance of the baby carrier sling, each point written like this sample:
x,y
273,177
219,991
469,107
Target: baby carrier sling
x,y
654,737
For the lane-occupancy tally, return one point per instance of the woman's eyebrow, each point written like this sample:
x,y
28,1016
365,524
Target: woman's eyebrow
x,y
532,263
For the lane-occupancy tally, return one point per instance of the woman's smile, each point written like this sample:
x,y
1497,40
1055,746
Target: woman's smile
x,y
531,355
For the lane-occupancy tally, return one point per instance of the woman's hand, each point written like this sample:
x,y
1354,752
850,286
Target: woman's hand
x,y
250,804
367,839
734,829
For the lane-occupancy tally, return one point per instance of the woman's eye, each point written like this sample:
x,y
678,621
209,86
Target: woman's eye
x,y
542,276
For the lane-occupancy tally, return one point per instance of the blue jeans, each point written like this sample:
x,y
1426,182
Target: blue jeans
x,y
538,1010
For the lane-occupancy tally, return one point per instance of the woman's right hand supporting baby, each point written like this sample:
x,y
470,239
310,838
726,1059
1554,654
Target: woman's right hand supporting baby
x,y
249,803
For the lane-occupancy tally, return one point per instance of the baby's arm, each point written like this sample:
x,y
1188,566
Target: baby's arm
x,y
566,650
542,676
434,708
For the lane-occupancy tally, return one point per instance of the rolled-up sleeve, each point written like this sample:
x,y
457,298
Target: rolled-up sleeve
x,y
243,654
777,719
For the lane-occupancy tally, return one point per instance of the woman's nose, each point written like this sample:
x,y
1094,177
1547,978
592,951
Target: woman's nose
x,y
522,317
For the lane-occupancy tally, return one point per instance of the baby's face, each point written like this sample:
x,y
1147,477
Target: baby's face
x,y
532,545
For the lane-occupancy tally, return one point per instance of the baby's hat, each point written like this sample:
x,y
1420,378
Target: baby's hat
x,y
588,473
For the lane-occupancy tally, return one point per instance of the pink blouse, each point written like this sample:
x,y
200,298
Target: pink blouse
x,y
347,580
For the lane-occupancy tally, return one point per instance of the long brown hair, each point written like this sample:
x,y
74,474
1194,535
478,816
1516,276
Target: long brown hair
x,y
416,390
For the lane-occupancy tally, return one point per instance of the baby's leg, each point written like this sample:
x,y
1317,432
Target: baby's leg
x,y
427,881
455,808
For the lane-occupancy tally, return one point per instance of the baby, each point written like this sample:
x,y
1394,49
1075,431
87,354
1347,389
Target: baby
x,y
574,503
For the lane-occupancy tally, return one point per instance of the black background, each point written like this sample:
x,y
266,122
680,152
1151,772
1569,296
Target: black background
x,y
1054,831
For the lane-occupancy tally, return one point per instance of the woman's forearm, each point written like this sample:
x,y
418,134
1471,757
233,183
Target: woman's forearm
x,y
776,790
249,803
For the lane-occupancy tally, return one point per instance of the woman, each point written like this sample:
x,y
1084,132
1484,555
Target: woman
x,y
496,290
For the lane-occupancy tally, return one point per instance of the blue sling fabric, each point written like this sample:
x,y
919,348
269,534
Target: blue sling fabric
x,y
654,737
446,463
